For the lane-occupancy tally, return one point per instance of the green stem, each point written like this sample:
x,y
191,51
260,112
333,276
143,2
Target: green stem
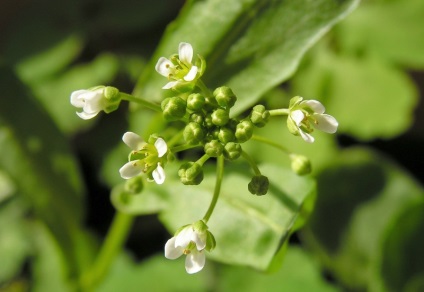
x,y
279,112
182,147
205,90
143,102
203,159
177,137
217,190
252,163
271,143
112,245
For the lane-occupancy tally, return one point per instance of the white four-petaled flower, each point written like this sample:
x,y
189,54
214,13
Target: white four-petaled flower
x,y
190,242
178,70
91,101
150,157
311,112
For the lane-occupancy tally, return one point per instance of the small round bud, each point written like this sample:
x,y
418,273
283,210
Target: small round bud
x,y
191,173
225,97
193,133
174,108
220,117
244,131
300,164
214,148
232,151
258,185
196,118
111,93
195,101
134,185
259,116
226,135
208,121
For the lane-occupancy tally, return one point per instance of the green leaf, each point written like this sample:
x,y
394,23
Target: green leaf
x,y
41,165
359,197
249,45
249,230
298,273
381,97
391,30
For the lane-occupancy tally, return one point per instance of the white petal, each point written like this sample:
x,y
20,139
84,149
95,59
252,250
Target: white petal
x,y
159,174
315,105
94,101
325,123
170,84
185,52
86,116
76,98
134,141
131,169
164,66
200,240
171,251
308,138
191,74
195,261
161,147
297,116
184,237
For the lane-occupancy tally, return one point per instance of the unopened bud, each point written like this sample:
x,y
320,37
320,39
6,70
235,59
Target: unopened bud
x,y
258,185
225,97
232,151
193,133
195,101
300,164
244,131
226,135
259,116
174,108
191,173
220,117
214,148
197,118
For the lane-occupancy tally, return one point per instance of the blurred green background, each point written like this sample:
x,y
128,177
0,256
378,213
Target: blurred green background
x,y
366,232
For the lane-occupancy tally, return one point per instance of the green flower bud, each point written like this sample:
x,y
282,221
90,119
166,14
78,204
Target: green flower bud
x,y
220,117
134,185
197,118
191,173
259,116
214,148
300,164
258,185
193,133
174,108
244,131
112,93
211,103
208,121
225,97
226,135
232,151
195,101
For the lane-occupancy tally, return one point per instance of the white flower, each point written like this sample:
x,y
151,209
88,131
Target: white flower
x,y
303,114
192,240
145,158
179,70
93,101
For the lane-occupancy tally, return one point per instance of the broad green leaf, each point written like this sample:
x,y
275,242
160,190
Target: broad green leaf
x,y
249,230
249,45
14,244
41,165
156,272
391,30
369,98
358,198
298,273
402,265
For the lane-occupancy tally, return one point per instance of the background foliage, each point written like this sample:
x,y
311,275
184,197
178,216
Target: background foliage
x,y
366,198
